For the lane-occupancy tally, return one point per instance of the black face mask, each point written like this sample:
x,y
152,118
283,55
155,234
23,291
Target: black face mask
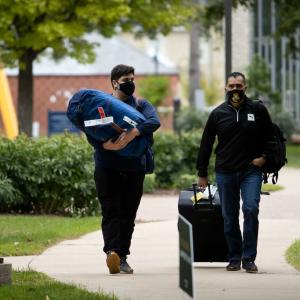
x,y
236,96
127,87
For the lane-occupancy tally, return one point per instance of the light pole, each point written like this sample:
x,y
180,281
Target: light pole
x,y
194,68
228,37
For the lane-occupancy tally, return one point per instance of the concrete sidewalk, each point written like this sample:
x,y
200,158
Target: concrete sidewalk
x,y
155,255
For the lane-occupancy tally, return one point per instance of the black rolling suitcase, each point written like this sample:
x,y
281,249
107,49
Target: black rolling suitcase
x,y
208,228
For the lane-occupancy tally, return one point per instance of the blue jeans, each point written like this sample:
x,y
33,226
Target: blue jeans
x,y
246,183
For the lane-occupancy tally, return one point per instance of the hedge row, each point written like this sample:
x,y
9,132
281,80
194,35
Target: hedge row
x,y
175,159
55,175
46,175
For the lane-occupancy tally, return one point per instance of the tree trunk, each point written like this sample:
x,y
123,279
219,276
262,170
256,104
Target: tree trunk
x,y
25,92
194,68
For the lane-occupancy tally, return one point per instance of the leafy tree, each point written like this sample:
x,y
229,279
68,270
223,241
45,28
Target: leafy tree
x,y
258,75
259,87
212,91
212,14
29,27
154,88
208,14
259,82
288,12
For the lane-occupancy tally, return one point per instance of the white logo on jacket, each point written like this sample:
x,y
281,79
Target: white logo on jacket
x,y
251,117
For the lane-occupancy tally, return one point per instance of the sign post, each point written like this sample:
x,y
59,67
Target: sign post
x,y
186,256
58,123
5,272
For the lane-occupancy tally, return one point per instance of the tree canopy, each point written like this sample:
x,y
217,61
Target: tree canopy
x,y
28,27
212,13
60,25
288,12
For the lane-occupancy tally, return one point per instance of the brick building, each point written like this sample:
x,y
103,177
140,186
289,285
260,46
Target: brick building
x,y
55,82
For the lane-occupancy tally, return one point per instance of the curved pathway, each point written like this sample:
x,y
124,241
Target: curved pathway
x,y
155,255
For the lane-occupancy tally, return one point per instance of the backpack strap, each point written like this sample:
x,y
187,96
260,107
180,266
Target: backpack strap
x,y
265,177
275,177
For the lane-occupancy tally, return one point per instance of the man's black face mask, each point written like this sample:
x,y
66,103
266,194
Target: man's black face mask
x,y
127,87
236,96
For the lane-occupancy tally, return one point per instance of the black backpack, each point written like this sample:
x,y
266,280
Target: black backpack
x,y
277,159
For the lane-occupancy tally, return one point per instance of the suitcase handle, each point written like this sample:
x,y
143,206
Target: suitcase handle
x,y
195,191
195,185
209,194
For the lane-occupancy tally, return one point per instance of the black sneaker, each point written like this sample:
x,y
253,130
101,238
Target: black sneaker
x,y
124,266
249,266
234,265
113,262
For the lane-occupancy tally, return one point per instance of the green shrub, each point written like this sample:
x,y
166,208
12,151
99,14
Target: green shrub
x,y
285,122
293,154
259,82
55,175
292,254
189,118
189,143
154,88
149,183
184,181
51,174
168,158
176,155
9,196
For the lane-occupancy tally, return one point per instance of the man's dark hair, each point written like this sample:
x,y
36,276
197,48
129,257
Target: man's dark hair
x,y
236,74
120,70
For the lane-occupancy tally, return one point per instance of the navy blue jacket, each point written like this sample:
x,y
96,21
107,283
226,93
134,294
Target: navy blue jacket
x,y
108,159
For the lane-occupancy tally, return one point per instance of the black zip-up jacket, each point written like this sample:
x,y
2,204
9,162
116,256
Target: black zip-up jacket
x,y
242,135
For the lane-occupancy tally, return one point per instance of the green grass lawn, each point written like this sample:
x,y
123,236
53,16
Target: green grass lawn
x,y
32,285
28,235
293,156
293,255
269,187
293,252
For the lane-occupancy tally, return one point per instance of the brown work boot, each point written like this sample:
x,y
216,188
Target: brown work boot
x,y
113,262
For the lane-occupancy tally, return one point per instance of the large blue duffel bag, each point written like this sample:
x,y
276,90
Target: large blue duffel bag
x,y
102,116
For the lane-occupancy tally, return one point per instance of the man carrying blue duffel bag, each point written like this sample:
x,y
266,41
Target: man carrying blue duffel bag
x,y
122,134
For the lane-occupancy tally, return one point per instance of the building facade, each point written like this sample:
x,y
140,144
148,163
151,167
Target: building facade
x,y
56,81
284,66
